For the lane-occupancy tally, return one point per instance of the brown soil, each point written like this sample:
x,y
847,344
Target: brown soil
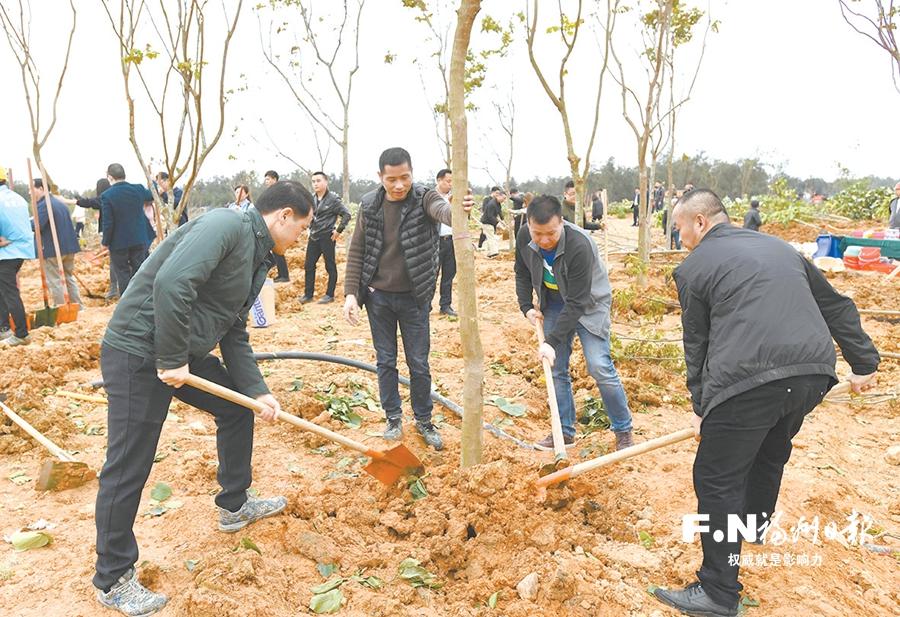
x,y
479,531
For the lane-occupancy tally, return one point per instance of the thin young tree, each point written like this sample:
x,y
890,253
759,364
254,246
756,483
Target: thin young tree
x,y
17,27
319,68
568,31
473,355
879,24
172,81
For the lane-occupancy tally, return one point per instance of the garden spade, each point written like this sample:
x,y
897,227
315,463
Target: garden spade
x,y
386,466
47,315
559,444
68,312
55,475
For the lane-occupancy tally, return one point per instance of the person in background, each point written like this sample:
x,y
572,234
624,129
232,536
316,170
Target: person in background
x,y
324,234
659,195
447,262
894,209
68,244
126,232
675,242
93,203
491,218
16,245
597,206
752,220
758,320
495,194
242,199
174,195
283,274
635,207
78,217
517,207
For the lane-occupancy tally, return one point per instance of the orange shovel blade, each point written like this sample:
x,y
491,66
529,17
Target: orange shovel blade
x,y
66,313
388,466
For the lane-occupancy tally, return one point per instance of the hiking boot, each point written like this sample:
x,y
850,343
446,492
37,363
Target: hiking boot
x,y
394,430
131,598
624,440
430,435
692,600
306,299
15,341
546,443
326,300
253,510
449,312
5,334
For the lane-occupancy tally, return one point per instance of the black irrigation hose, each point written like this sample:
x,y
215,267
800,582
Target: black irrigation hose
x,y
321,357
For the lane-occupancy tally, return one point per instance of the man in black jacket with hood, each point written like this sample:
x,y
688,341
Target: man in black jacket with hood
x,y
758,324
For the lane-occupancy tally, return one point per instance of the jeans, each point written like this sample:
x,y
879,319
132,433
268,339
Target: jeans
x,y
387,310
138,404
448,270
54,283
11,299
316,248
745,444
599,366
125,263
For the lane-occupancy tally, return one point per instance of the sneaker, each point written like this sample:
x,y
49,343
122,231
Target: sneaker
x,y
14,341
131,598
430,435
326,300
394,430
449,312
692,600
253,510
306,299
282,279
546,443
5,334
624,440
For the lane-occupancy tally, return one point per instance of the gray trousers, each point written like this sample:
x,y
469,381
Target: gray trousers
x,y
54,282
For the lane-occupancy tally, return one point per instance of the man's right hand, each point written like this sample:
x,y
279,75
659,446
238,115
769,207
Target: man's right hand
x,y
533,315
175,377
858,383
351,310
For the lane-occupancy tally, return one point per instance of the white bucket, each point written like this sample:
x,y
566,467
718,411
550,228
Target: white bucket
x,y
262,313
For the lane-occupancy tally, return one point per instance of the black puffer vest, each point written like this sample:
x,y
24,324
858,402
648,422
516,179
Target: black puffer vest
x,y
418,239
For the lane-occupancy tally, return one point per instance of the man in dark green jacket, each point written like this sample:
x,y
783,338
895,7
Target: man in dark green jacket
x,y
193,293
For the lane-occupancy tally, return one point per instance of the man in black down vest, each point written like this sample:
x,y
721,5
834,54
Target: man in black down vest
x,y
758,324
392,270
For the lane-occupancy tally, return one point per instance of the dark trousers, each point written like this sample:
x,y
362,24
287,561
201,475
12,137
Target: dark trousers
x,y
10,298
448,270
386,311
314,249
634,215
79,227
281,264
125,264
138,403
517,224
745,444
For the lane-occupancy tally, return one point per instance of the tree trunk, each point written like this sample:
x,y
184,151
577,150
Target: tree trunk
x,y
473,379
345,170
643,225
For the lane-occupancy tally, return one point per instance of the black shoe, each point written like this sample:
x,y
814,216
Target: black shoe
x,y
306,299
282,279
326,300
430,435
692,600
546,443
449,312
394,430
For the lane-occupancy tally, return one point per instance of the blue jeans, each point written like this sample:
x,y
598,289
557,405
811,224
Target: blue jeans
x,y
599,366
387,310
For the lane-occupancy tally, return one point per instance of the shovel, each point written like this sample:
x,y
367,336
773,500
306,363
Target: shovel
x,y
68,312
47,315
386,466
559,444
55,475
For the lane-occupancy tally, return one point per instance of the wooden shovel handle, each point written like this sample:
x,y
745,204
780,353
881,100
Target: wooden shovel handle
x,y
559,444
54,449
37,238
52,220
256,406
615,457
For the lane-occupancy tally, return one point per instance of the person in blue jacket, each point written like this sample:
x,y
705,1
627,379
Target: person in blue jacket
x,y
126,232
68,244
16,245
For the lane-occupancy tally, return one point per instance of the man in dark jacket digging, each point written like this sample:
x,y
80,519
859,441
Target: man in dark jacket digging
x,y
560,264
392,270
192,293
758,324
324,233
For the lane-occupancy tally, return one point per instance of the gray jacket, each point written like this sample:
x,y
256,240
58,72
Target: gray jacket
x,y
894,208
581,277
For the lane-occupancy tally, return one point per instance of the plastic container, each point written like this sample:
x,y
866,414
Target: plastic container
x,y
262,313
829,246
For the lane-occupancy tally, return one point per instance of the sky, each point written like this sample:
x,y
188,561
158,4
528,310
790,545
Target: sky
x,y
788,82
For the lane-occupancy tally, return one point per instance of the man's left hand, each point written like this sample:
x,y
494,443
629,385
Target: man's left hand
x,y
546,351
858,383
273,408
696,422
335,235
468,203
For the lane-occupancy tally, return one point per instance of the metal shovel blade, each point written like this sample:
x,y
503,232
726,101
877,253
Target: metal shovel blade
x,y
388,466
62,475
44,317
66,313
